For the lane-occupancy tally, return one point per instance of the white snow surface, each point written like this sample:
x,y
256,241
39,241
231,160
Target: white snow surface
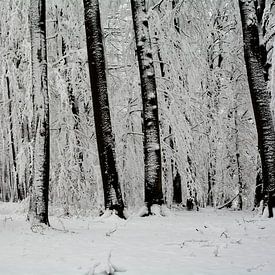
x,y
207,242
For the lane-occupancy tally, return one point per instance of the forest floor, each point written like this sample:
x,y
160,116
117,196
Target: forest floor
x,y
207,242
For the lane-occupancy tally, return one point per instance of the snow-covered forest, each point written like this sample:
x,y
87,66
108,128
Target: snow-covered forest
x,y
137,136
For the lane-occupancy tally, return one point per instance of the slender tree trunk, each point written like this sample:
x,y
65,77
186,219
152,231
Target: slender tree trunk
x,y
215,57
239,170
75,111
211,175
260,97
26,139
176,18
177,190
19,194
152,152
39,189
103,127
172,171
7,194
78,154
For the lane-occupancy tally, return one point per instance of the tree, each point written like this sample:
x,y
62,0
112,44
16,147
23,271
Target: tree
x,y
254,57
19,194
152,152
239,169
169,163
39,187
103,127
74,104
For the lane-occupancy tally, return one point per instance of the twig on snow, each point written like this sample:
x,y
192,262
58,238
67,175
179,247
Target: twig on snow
x,y
110,232
229,202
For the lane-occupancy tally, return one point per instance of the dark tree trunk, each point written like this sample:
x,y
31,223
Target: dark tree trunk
x,y
177,190
103,127
211,176
176,18
152,152
177,193
39,189
239,170
19,194
260,96
26,139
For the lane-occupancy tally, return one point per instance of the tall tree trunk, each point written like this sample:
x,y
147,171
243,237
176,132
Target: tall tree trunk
x,y
152,153
26,139
39,189
239,170
19,194
172,171
213,91
103,127
75,110
260,97
78,154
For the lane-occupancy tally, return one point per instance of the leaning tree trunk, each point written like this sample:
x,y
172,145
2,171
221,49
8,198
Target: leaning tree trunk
x,y
152,153
260,97
103,127
39,189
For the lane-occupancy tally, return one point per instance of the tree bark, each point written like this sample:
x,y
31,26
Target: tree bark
x,y
152,152
39,189
75,111
103,127
19,194
239,170
260,96
172,171
176,18
213,91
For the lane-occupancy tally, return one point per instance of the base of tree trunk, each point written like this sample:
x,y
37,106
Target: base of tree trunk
x,y
270,203
37,221
153,210
114,211
267,212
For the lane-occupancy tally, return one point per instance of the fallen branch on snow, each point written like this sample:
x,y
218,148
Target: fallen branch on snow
x,y
228,203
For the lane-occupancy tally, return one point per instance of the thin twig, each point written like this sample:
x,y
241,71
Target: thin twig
x,y
157,5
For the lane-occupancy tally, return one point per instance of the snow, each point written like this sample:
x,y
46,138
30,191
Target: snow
x,y
207,242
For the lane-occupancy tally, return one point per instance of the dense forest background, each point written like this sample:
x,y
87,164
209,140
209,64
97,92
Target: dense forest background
x,y
207,129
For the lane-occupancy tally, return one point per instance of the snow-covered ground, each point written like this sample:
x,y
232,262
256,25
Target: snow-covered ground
x,y
208,242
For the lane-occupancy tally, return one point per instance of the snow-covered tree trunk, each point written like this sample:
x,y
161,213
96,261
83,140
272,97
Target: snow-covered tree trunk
x,y
169,164
19,192
152,153
75,111
260,96
214,59
39,189
239,170
61,42
104,133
